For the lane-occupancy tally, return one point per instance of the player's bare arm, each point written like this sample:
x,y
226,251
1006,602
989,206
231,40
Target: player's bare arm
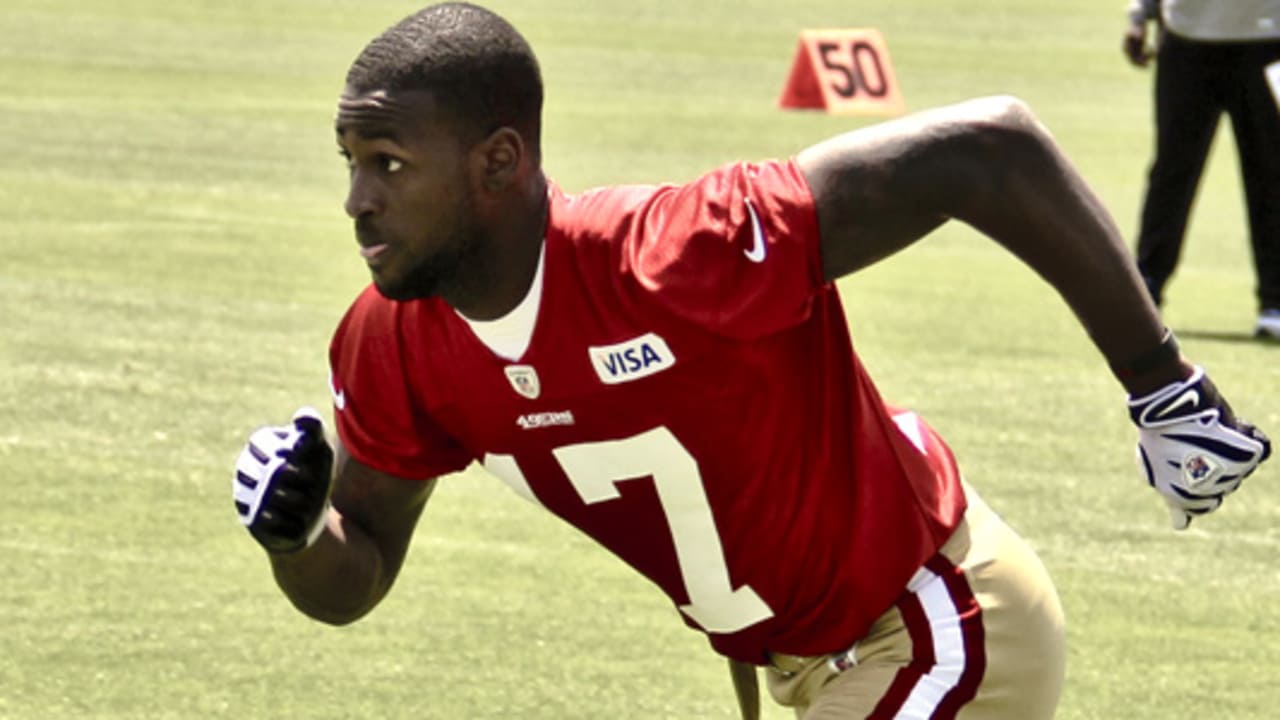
x,y
353,563
991,164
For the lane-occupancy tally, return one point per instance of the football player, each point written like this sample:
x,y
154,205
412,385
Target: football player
x,y
668,369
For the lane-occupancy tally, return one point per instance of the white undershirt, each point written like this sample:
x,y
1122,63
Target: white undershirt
x,y
508,336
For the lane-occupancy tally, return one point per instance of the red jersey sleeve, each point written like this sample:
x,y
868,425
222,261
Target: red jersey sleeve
x,y
736,251
374,408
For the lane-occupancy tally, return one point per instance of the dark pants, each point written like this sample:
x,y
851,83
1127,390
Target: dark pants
x,y
1196,82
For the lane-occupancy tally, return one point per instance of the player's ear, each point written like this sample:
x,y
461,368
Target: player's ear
x,y
496,159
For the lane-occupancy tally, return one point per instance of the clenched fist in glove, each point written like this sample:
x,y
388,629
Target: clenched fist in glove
x,y
1193,449
281,485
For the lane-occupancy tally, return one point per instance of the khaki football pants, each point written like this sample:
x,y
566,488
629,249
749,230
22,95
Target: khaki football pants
x,y
977,635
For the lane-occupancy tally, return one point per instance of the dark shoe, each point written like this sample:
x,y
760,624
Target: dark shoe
x,y
1268,327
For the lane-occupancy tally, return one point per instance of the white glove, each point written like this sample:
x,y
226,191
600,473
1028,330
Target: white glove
x,y
1192,448
281,483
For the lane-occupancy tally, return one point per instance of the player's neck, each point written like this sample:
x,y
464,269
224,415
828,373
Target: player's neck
x,y
509,262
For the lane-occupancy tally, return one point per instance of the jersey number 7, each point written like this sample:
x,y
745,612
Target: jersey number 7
x,y
596,469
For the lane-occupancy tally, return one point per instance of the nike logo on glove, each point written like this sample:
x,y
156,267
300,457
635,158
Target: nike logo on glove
x,y
1190,396
757,252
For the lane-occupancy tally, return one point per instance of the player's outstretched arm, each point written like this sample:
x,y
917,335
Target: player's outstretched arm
x,y
334,554
991,164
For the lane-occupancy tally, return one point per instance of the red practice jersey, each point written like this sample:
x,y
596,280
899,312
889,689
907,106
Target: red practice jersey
x,y
689,398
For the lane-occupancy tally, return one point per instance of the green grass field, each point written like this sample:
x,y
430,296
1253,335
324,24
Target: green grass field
x,y
173,257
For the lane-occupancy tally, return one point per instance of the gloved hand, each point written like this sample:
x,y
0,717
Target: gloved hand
x,y
1192,448
282,482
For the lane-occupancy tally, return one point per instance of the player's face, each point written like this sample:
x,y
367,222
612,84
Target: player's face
x,y
410,193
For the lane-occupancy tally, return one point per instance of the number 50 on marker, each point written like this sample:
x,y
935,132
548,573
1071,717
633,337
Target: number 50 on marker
x,y
842,71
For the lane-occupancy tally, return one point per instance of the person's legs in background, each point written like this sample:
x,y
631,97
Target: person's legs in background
x,y
1187,108
1255,120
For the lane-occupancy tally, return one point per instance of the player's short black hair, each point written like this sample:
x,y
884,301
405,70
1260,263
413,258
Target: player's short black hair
x,y
479,68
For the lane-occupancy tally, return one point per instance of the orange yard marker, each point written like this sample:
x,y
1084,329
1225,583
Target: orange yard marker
x,y
842,71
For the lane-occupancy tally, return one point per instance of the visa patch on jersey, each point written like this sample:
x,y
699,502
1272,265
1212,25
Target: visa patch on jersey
x,y
631,359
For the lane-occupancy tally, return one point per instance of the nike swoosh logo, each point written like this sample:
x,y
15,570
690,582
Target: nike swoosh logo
x,y
1191,397
757,252
339,396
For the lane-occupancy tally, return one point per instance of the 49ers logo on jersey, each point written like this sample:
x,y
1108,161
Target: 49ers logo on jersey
x,y
524,379
631,359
